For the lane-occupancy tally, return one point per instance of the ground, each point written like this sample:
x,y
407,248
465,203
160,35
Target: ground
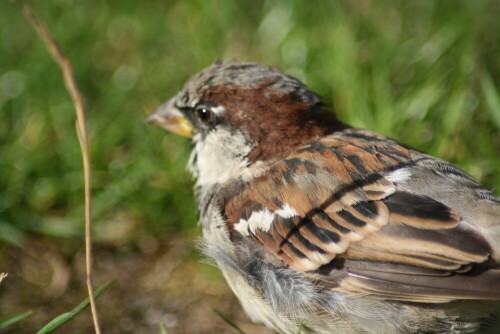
x,y
155,282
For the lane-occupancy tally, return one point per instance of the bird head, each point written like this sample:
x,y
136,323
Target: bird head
x,y
239,114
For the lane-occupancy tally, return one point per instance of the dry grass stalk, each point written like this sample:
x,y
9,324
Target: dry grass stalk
x,y
2,276
81,127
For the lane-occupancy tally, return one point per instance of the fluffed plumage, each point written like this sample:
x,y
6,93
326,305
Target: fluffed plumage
x,y
337,229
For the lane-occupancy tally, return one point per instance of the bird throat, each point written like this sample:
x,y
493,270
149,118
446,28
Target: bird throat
x,y
219,156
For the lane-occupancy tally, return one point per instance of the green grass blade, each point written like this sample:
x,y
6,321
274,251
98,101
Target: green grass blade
x,y
301,326
65,317
163,329
10,320
229,321
12,235
491,97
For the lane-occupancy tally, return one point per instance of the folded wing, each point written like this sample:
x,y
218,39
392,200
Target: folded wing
x,y
333,210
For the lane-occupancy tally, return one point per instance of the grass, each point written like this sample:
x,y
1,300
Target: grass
x,y
423,72
62,319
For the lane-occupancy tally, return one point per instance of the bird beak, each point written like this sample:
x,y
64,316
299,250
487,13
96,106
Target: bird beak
x,y
169,117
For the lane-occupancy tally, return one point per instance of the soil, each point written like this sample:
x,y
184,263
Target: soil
x,y
154,282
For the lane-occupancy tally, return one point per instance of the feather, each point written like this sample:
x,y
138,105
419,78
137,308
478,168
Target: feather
x,y
340,199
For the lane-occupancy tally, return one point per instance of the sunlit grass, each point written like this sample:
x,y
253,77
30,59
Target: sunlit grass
x,y
423,72
420,72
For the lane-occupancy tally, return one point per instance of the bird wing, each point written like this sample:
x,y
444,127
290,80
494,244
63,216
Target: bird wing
x,y
334,210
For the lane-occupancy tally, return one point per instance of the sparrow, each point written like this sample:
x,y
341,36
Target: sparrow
x,y
319,227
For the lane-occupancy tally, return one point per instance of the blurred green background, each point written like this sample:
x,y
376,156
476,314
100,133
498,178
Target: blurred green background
x,y
423,72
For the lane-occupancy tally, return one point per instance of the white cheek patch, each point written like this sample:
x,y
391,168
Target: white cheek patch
x,y
219,157
263,219
399,175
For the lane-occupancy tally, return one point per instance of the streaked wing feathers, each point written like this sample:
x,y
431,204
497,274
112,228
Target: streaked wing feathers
x,y
430,287
339,197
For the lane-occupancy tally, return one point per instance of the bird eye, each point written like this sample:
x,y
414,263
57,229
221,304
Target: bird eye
x,y
204,114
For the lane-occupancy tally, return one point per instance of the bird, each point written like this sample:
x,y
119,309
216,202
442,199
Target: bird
x,y
320,227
